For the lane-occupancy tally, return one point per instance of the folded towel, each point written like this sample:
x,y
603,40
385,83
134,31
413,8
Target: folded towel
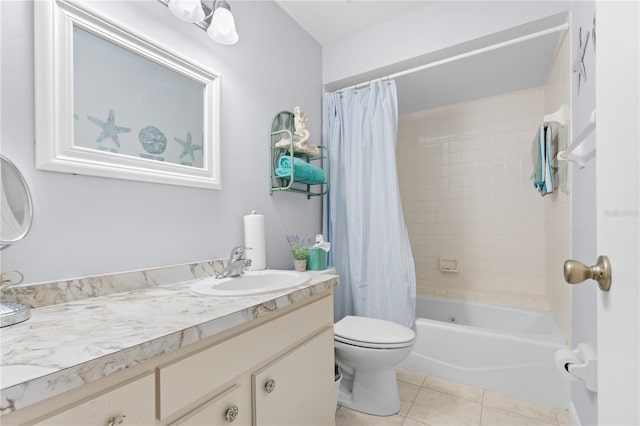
x,y
541,155
537,157
548,172
302,171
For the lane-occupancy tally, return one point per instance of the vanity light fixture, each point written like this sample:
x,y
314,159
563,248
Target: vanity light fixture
x,y
216,20
187,10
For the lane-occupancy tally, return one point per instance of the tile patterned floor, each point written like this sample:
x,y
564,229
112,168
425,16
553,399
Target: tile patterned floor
x,y
432,401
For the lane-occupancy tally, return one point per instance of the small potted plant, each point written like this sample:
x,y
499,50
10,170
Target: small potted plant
x,y
300,257
300,250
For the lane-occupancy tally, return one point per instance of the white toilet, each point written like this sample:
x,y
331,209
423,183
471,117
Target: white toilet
x,y
367,351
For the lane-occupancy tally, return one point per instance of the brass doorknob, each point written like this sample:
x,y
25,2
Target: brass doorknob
x,y
576,272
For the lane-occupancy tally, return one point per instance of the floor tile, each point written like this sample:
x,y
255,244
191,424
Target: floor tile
x,y
439,409
520,406
411,422
496,417
563,418
408,393
409,376
347,417
453,388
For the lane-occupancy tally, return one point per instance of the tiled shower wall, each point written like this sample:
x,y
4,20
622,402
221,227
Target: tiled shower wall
x,y
464,173
558,206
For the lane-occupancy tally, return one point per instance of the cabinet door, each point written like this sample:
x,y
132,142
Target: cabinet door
x,y
297,388
231,407
194,377
132,403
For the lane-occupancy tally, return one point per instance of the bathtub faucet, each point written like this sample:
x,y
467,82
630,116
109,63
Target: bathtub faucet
x,y
237,263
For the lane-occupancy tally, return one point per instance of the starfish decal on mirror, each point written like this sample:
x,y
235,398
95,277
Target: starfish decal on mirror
x,y
188,147
578,65
109,128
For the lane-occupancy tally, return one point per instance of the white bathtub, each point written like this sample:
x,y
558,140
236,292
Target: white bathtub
x,y
500,348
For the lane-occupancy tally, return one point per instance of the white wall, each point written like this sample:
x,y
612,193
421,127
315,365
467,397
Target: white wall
x,y
557,206
88,225
439,25
464,173
584,321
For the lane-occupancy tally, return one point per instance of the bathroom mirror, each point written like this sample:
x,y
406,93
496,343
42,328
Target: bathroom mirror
x,y
16,209
115,103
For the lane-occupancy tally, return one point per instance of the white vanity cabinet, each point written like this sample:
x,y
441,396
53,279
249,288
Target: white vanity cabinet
x,y
293,389
232,406
278,373
219,380
131,403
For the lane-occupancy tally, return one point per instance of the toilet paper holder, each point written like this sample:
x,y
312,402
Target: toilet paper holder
x,y
579,364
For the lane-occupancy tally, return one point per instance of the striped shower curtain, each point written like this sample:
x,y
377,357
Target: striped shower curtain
x,y
363,213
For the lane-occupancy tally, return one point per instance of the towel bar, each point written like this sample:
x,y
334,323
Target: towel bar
x,y
560,116
580,160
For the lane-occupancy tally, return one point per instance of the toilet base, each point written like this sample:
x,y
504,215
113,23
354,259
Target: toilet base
x,y
371,391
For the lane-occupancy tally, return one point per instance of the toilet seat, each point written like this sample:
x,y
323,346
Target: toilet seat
x,y
372,333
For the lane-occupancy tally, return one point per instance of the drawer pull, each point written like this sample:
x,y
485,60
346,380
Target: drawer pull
x,y
231,414
270,385
116,420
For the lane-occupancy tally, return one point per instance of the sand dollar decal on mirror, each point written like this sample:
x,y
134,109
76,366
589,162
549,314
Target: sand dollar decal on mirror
x,y
153,141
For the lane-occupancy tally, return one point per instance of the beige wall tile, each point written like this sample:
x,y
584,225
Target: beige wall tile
x,y
557,206
471,165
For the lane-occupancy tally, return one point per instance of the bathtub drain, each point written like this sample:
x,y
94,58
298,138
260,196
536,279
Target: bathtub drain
x,y
452,319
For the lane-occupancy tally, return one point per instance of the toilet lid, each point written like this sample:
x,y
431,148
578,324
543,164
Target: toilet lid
x,y
372,332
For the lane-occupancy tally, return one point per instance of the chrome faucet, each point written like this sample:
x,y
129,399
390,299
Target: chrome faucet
x,y
237,263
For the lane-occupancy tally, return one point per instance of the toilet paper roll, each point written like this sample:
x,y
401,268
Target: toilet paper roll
x,y
564,357
254,239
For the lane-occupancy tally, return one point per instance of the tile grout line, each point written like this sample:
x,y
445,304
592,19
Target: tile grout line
x,y
483,403
413,402
556,423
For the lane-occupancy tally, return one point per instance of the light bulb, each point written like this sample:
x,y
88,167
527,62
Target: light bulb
x,y
187,10
223,27
223,20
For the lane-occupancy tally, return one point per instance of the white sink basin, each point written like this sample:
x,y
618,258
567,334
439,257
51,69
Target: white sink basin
x,y
252,282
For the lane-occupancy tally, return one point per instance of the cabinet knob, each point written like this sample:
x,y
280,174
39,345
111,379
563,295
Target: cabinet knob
x,y
270,385
231,414
116,420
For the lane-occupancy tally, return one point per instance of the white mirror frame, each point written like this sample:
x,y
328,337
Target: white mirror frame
x,y
55,150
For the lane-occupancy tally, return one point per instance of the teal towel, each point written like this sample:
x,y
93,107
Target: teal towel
x,y
537,155
541,155
302,171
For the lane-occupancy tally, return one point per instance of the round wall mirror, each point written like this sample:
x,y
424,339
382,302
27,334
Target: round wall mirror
x,y
16,209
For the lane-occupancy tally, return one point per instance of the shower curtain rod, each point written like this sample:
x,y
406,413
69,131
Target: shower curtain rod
x,y
559,28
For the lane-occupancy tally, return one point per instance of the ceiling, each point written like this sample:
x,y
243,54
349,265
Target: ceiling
x,y
510,68
330,20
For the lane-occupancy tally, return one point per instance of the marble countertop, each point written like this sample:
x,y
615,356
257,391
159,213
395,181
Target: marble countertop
x,y
67,345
